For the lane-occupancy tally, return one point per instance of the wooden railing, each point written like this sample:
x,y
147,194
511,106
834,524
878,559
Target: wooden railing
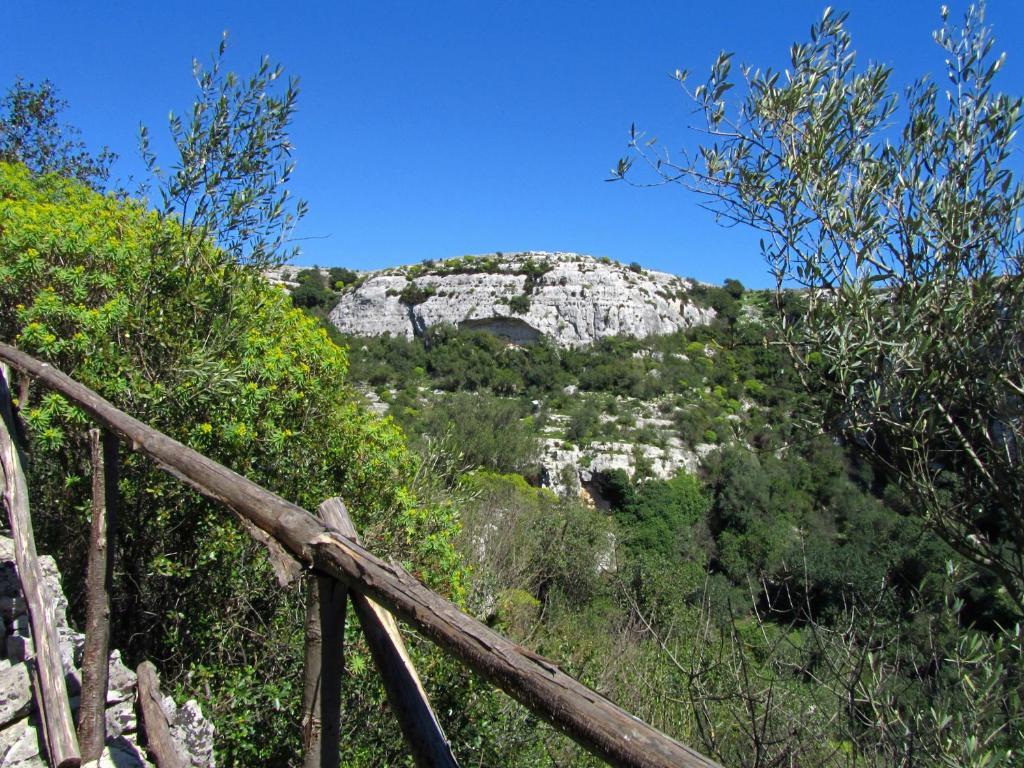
x,y
297,540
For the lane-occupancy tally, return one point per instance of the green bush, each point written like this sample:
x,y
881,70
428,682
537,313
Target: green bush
x,y
485,431
313,292
414,293
208,352
340,277
526,540
519,304
660,518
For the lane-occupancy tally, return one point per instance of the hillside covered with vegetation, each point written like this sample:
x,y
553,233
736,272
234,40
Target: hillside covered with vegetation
x,y
777,580
789,536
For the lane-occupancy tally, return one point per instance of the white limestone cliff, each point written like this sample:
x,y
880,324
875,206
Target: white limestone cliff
x,y
575,301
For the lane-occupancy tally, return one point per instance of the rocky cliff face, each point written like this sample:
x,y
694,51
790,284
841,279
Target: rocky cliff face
x,y
571,299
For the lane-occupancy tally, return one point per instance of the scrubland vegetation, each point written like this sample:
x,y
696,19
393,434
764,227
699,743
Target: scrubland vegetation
x,y
788,578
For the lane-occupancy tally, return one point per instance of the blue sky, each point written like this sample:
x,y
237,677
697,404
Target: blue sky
x,y
428,130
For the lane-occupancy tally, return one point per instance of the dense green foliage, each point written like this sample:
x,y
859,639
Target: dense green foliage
x,y
802,577
415,293
901,219
786,602
478,430
314,292
531,548
218,359
519,304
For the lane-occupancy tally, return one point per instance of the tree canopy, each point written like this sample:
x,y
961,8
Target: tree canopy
x,y
900,220
31,133
219,359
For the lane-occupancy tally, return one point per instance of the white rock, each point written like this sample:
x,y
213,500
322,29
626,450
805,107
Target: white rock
x,y
19,741
20,745
577,302
194,733
15,694
121,719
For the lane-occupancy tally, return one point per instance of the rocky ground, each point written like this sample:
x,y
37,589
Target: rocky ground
x,y
571,469
20,734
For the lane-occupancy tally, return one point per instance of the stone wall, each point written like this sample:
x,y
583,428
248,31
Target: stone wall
x,y
21,737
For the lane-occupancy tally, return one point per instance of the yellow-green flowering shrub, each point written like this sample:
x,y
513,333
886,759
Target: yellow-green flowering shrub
x,y
206,351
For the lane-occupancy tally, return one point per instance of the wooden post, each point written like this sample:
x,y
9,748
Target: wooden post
x,y
98,583
408,699
311,673
154,720
581,713
51,694
324,667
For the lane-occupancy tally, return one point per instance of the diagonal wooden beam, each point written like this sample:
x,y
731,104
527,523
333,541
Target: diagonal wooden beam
x,y
420,727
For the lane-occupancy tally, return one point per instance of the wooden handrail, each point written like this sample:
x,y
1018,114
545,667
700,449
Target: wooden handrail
x,y
588,718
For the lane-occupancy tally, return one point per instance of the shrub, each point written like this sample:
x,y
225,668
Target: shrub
x,y
414,294
341,277
489,432
313,291
217,358
519,304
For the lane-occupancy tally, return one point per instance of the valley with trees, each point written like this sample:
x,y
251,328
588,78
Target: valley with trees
x,y
786,531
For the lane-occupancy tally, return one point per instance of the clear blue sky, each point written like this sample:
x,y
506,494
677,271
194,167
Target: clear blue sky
x,y
434,129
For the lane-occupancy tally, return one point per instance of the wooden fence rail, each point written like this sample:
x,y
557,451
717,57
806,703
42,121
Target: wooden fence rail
x,y
584,715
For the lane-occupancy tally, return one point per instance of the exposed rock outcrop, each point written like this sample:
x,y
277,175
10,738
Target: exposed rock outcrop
x,y
20,732
567,468
571,299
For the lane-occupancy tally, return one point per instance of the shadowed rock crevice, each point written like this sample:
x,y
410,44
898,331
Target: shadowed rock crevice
x,y
509,328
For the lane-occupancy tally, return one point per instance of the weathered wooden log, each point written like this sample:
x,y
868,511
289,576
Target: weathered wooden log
x,y
92,721
409,701
157,729
51,693
584,715
324,666
311,674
